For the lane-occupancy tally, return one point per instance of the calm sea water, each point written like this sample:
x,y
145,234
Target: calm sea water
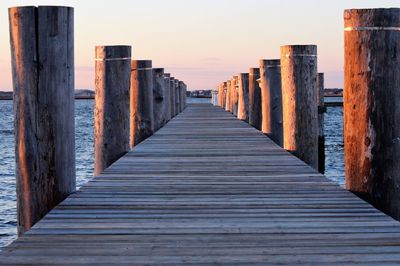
x,y
84,156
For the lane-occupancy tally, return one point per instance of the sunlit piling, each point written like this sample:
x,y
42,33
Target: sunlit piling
x,y
243,97
141,101
271,99
111,111
299,99
228,99
234,95
42,57
371,106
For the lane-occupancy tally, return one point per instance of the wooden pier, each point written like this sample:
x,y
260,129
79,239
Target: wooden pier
x,y
209,188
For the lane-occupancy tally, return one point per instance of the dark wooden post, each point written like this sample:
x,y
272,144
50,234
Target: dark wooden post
x,y
234,95
167,97
158,98
254,98
243,97
141,104
299,97
321,135
173,103
182,95
271,99
177,97
371,106
228,105
111,111
42,56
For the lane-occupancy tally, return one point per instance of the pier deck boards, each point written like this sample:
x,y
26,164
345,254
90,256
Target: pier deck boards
x,y
208,188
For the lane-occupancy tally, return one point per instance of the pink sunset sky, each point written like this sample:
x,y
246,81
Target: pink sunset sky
x,y
201,42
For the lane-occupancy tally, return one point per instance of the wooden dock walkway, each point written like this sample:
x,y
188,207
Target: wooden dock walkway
x,y
208,188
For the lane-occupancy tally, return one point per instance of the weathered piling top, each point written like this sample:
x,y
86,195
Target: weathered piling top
x,y
208,188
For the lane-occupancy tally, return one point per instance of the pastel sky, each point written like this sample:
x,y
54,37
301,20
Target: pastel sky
x,y
202,42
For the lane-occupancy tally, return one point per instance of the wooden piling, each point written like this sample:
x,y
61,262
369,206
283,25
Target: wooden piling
x,y
371,106
172,96
42,57
111,110
271,99
167,97
177,97
223,98
254,98
158,98
234,95
299,98
321,135
243,97
182,95
219,90
228,105
141,102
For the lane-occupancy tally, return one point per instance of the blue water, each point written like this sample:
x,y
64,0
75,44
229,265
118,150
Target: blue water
x,y
84,155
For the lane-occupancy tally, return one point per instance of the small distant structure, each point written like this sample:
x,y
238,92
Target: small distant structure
x,y
333,92
200,94
84,94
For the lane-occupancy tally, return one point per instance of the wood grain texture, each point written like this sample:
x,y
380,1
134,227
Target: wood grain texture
x,y
42,57
208,188
159,96
255,112
271,99
299,101
111,110
243,97
141,102
371,106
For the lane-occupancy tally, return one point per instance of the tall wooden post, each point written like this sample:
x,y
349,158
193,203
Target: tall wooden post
x,y
234,95
177,97
167,97
219,90
111,111
228,105
182,95
141,100
254,98
158,98
321,135
42,56
223,98
243,97
299,97
371,106
271,99
173,101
